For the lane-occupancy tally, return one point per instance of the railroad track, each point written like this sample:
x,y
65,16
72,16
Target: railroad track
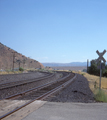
x,y
10,77
39,93
23,82
37,88
20,87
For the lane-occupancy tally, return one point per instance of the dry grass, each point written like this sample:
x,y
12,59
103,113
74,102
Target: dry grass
x,y
10,72
94,81
100,95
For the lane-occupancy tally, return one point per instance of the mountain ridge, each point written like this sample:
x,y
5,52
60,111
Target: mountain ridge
x,y
65,64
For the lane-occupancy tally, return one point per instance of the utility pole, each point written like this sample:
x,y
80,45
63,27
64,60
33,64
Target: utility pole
x,y
18,61
87,65
13,60
24,62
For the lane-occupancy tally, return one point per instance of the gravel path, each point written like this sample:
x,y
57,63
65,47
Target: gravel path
x,y
78,91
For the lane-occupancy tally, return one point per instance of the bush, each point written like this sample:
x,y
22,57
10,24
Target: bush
x,y
83,74
101,96
21,69
104,72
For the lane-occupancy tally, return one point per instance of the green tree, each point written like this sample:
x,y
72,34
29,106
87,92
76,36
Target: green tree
x,y
93,68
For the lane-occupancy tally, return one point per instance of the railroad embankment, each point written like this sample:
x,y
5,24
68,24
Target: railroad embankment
x,y
78,91
84,89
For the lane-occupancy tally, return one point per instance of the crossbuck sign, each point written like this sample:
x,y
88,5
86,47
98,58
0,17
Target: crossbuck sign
x,y
100,58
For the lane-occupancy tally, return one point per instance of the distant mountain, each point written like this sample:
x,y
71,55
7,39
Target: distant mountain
x,y
65,64
8,56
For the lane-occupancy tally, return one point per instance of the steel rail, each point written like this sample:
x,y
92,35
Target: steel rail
x,y
23,82
36,88
40,97
7,75
46,74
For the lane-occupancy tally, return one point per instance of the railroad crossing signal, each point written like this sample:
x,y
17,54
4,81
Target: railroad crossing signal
x,y
102,66
100,58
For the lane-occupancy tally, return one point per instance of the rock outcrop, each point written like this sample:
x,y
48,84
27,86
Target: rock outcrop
x,y
10,59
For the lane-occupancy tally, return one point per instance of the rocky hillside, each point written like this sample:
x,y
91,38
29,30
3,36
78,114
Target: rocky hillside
x,y
10,58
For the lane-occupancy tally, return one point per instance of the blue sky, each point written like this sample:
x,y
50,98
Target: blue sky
x,y
60,31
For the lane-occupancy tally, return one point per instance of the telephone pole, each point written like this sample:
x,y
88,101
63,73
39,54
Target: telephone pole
x,y
87,65
13,60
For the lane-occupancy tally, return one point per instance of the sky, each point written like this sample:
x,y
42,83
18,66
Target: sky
x,y
59,31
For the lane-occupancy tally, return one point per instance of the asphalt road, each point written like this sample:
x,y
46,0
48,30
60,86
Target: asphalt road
x,y
69,111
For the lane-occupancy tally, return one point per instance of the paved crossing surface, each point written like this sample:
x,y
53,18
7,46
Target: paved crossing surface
x,y
69,111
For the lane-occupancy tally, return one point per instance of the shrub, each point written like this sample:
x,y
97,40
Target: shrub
x,y
83,74
101,96
21,69
104,72
95,85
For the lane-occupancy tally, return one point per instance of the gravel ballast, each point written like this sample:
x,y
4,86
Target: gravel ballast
x,y
78,91
18,89
21,76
